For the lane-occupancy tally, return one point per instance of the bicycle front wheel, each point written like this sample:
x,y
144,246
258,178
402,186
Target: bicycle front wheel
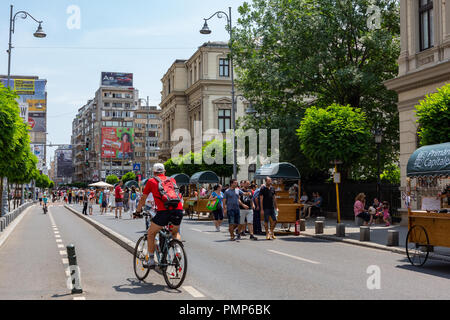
x,y
175,272
140,254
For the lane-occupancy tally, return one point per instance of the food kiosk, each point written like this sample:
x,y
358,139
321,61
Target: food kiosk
x,y
196,202
428,183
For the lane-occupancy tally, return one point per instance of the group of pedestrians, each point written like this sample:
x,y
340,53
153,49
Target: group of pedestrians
x,y
245,205
377,210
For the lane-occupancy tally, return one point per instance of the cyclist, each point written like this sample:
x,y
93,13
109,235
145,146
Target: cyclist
x,y
45,200
164,216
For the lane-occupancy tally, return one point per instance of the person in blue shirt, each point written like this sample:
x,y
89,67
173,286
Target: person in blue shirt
x,y
218,213
315,208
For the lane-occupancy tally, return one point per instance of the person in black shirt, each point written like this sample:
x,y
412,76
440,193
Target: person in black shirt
x,y
269,203
246,210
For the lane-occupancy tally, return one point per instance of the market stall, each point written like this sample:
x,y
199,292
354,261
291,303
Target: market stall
x,y
428,183
289,211
196,200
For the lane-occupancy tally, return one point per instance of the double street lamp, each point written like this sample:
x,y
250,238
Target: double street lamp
x,y
12,26
38,34
205,30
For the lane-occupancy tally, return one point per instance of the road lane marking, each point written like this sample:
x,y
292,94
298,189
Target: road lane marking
x,y
57,236
79,298
65,261
294,257
60,246
63,253
197,230
193,292
58,240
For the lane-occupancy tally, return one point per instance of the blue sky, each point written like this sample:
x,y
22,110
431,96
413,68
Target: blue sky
x,y
152,34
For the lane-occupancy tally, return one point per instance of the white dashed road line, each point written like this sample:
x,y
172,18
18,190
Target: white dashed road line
x,y
294,257
193,292
63,253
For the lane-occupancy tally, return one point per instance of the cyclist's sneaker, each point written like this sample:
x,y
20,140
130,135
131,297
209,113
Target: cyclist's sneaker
x,y
150,263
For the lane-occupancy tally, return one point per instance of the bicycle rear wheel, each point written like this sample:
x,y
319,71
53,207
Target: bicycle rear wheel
x,y
140,254
175,272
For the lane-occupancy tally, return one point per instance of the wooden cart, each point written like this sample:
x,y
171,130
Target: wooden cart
x,y
197,204
289,211
427,229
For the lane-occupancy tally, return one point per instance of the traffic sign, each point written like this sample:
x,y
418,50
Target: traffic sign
x,y
137,167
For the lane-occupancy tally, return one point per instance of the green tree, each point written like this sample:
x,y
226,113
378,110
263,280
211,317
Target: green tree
x,y
130,176
112,179
433,115
335,133
391,174
292,54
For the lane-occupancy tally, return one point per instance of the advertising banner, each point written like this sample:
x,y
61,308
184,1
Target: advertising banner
x,y
38,150
24,86
37,121
37,105
117,79
23,111
64,163
117,143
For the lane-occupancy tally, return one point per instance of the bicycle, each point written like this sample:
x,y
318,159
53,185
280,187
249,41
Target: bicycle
x,y
170,256
45,208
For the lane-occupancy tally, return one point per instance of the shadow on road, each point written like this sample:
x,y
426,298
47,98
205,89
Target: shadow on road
x,y
303,239
432,267
139,287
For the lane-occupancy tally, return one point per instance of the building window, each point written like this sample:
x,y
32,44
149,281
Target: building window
x,y
224,120
169,86
224,67
426,17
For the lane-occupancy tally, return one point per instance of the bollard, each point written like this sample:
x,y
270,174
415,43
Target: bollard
x,y
319,227
75,275
365,234
340,230
320,219
2,224
302,225
393,238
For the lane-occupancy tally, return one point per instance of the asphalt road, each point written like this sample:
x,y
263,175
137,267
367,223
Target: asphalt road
x,y
288,268
293,267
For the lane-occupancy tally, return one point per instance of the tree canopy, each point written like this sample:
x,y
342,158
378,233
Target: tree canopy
x,y
433,116
291,55
335,133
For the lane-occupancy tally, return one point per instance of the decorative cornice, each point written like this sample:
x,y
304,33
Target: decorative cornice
x,y
420,78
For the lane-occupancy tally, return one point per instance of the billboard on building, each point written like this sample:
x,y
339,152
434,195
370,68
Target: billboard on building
x,y
39,151
117,79
24,86
118,143
64,163
37,121
24,111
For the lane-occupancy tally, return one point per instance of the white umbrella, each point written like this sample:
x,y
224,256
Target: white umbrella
x,y
101,185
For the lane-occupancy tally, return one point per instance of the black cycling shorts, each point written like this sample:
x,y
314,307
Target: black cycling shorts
x,y
162,218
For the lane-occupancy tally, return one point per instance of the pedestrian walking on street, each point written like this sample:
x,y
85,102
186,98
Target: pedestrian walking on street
x,y
231,204
257,212
85,202
132,201
92,199
126,199
119,199
269,205
246,210
111,203
218,213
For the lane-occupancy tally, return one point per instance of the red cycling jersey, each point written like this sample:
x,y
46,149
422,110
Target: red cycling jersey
x,y
152,186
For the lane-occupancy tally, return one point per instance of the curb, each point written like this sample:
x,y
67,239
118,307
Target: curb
x,y
125,243
433,256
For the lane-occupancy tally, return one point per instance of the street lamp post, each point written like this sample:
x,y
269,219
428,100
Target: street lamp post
x,y
38,34
378,140
147,169
205,30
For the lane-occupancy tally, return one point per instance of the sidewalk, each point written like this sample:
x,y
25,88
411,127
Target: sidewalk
x,y
378,236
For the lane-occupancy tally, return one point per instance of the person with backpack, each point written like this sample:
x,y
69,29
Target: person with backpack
x,y
132,201
169,208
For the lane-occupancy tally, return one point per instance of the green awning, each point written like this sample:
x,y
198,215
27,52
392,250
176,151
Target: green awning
x,y
278,171
429,161
204,177
181,179
131,183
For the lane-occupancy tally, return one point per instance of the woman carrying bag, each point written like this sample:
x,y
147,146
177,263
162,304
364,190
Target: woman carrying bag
x,y
216,206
